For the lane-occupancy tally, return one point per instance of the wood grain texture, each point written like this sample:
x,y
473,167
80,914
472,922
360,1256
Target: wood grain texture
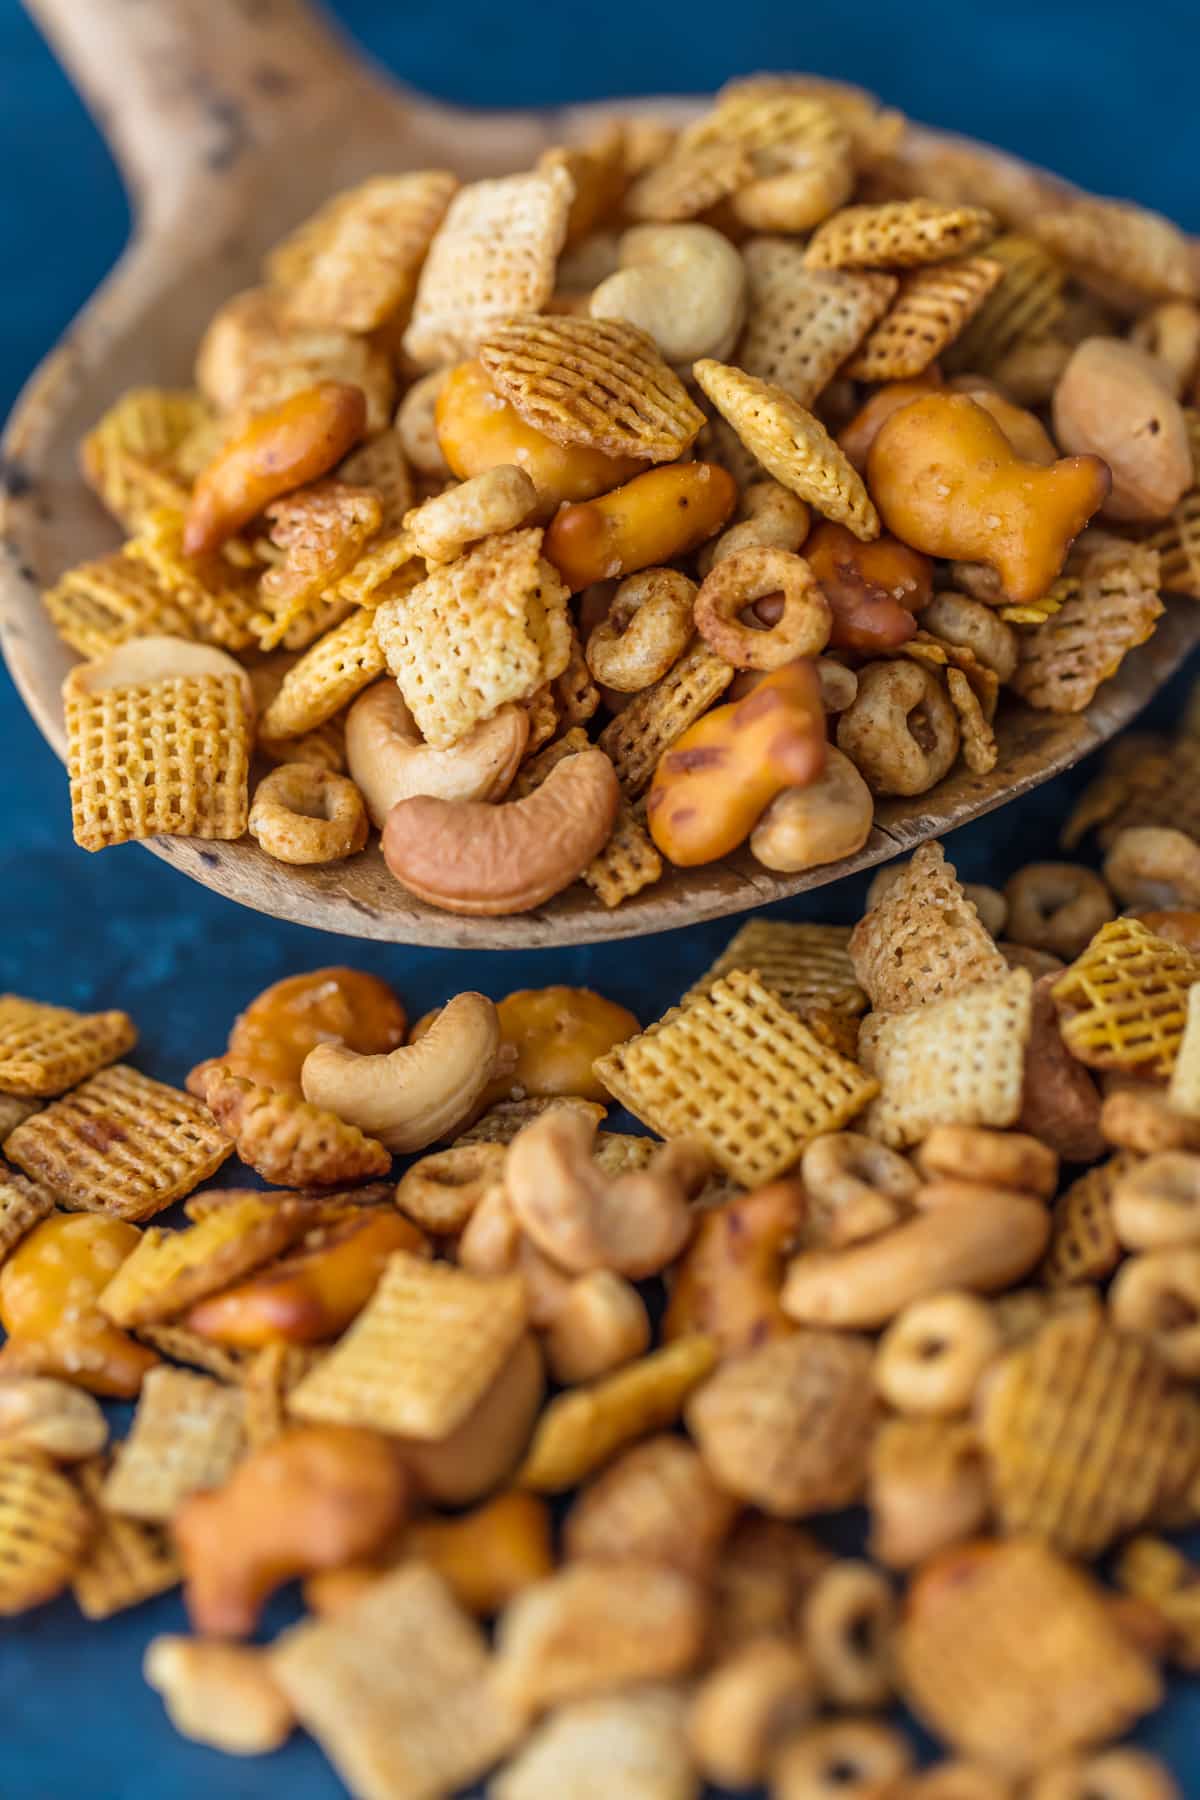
x,y
233,119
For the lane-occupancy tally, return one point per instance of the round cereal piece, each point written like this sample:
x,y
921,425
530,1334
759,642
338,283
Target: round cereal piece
x,y
856,1187
736,583
1156,1203
849,1622
931,1358
1057,907
302,814
957,619
901,731
840,1759
1154,865
1156,1296
645,631
442,1191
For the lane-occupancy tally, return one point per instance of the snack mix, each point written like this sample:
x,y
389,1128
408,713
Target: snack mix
x,y
675,499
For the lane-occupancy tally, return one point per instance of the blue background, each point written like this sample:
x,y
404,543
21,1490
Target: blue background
x,y
1103,92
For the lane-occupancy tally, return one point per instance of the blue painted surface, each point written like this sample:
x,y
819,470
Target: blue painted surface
x,y
1103,92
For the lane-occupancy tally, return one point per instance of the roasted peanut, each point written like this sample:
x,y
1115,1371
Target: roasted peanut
x,y
223,1695
806,827
1115,401
856,438
317,1497
480,860
48,1292
280,449
1056,906
714,784
947,482
390,760
873,589
38,1413
726,1285
1024,430
270,1040
313,1294
900,731
932,1356
489,1555
499,499
747,1706
1154,865
651,520
684,284
856,1188
801,627
646,629
478,430
768,516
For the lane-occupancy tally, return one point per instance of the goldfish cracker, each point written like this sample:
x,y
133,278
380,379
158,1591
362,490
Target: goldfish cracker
x,y
873,589
656,517
856,438
947,481
48,1292
478,430
1023,429
714,784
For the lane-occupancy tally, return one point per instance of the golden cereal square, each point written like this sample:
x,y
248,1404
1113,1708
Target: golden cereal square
x,y
169,1271
1123,1004
427,1346
179,1345
638,735
356,263
806,965
628,862
320,532
131,457
164,758
737,1070
930,310
121,1144
1025,305
219,594
46,1049
802,323
328,676
45,1525
101,604
490,627
898,234
187,1434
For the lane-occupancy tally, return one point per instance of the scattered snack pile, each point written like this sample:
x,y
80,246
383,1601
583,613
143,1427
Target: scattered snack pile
x,y
678,496
542,1424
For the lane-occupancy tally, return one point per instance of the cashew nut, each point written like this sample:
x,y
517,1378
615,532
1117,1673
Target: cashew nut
x,y
498,499
220,1694
804,827
390,760
600,1323
580,1218
419,1093
480,860
1115,401
684,284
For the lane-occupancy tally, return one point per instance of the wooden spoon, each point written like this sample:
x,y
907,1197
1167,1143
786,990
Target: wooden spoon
x,y
231,122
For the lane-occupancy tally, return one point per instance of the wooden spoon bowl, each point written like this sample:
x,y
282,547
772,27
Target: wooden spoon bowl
x,y
231,122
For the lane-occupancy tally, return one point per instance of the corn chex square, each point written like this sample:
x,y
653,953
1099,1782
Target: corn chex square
x,y
130,458
924,939
637,736
166,758
1124,1003
101,604
806,965
490,627
121,1144
802,323
741,1073
426,1347
336,668
187,1434
45,1525
930,310
1063,661
960,1061
356,263
628,862
23,1204
127,1561
1026,304
397,1690
46,1049
898,234
219,597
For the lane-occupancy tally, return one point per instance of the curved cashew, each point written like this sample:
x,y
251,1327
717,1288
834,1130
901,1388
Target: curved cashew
x,y
582,1220
984,1243
684,284
419,1093
481,860
390,760
497,499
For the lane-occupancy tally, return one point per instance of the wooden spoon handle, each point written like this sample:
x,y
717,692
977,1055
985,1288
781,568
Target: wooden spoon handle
x,y
184,90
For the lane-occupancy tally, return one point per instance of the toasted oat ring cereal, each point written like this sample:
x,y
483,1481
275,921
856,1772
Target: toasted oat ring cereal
x,y
1056,907
849,1618
900,731
931,1357
1010,1159
856,1187
442,1191
840,1759
1154,865
1156,1204
1157,1296
1122,1774
302,814
647,630
736,583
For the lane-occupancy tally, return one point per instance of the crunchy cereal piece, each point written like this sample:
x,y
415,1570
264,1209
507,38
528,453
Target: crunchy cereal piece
x,y
628,862
120,1144
381,464
1065,659
929,312
738,1071
1162,787
791,444
1024,305
597,382
288,1141
1021,1312
1183,1094
1084,1246
584,1428
356,263
427,1346
802,324
23,1204
534,769
980,750
789,1426
45,1525
1123,1003
493,256
222,1695
1087,1433
490,627
575,693
630,1744
761,1582
169,1270
161,758
808,966
872,1754
267,1382
924,940
179,1344
656,1503
687,182
978,1664
898,234
338,666
126,1562
1139,250
542,710
1157,1572
1177,539
501,1123
131,458
46,1049
638,735
219,598
321,530
101,604
960,1061
187,1434
398,1690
